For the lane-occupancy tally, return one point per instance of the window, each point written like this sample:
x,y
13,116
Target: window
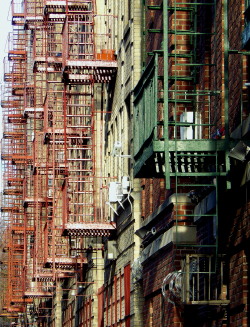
x,y
114,300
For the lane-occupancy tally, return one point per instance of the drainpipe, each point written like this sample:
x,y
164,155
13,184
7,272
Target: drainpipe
x,y
226,87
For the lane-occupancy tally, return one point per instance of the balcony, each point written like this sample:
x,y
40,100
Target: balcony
x,y
172,136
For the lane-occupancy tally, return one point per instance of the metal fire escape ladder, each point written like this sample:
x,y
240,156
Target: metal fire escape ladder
x,y
195,148
50,167
14,138
82,69
36,201
192,160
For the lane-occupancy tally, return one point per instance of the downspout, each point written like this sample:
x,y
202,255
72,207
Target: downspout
x,y
165,63
226,74
226,87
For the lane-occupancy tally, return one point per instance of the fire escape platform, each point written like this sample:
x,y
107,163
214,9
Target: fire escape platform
x,y
68,131
37,294
66,261
191,145
41,165
16,118
22,230
32,111
15,181
8,77
209,302
17,54
9,104
61,3
18,19
151,147
33,200
101,71
52,60
21,158
20,300
91,63
83,78
56,17
10,315
12,309
9,209
12,192
18,90
33,18
43,277
88,229
13,135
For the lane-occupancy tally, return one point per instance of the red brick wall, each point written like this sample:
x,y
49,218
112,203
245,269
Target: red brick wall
x,y
153,195
237,222
239,231
153,21
157,311
217,70
238,282
235,69
238,252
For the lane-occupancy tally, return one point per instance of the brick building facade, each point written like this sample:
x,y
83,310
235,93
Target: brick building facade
x,y
210,33
126,154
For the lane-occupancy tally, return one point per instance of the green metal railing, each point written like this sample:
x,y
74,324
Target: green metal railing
x,y
145,102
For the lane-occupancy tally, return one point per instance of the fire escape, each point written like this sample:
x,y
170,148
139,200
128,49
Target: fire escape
x,y
15,158
59,60
180,136
83,68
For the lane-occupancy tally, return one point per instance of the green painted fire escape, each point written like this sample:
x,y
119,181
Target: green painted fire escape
x,y
177,134
181,128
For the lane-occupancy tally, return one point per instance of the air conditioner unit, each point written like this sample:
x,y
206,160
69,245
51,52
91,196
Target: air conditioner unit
x,y
115,192
190,131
